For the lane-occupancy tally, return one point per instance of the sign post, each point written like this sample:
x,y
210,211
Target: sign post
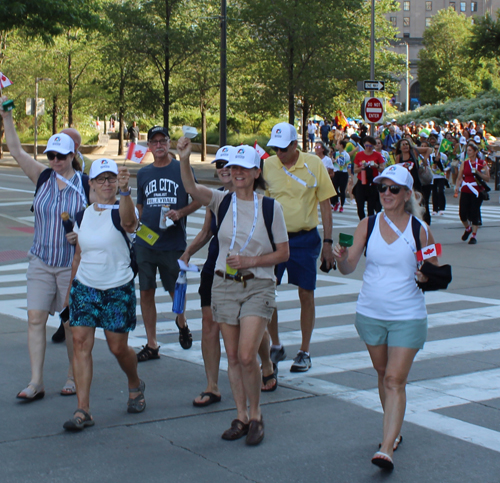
x,y
374,110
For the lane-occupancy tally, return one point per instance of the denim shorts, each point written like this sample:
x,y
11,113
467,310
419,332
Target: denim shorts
x,y
393,333
305,248
113,309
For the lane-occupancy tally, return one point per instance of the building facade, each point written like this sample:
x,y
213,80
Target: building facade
x,y
413,17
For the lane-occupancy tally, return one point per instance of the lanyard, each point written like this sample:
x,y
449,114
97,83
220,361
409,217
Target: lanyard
x,y
398,232
72,186
302,182
108,207
235,220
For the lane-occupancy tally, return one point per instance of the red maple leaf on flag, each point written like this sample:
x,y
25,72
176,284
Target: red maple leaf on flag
x,y
429,251
138,153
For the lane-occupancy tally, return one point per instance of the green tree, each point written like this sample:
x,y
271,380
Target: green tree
x,y
445,69
485,38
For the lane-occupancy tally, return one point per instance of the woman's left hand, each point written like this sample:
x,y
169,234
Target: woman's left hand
x,y
72,238
238,262
123,178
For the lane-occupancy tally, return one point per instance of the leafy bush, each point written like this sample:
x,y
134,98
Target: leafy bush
x,y
485,107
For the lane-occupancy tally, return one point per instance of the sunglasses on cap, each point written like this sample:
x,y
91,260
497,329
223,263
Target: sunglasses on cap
x,y
220,164
59,156
394,189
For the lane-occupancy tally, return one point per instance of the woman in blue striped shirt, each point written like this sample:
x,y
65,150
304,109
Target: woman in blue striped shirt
x,y
51,254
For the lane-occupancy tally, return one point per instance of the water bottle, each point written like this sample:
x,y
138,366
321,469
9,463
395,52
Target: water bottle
x,y
180,293
67,223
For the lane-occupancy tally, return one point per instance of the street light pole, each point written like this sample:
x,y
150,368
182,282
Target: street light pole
x,y
35,144
372,59
223,75
407,77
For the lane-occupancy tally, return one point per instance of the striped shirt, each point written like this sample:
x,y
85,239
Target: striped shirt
x,y
49,241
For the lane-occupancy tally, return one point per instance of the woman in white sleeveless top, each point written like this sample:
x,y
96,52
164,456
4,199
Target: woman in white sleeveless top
x,y
391,317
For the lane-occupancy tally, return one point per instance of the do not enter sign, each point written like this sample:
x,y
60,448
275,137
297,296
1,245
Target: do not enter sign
x,y
374,109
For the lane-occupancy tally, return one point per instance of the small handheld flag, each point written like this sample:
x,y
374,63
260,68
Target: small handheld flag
x,y
136,153
4,81
429,252
261,151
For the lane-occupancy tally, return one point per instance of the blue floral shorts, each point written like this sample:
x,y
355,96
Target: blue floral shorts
x,y
112,309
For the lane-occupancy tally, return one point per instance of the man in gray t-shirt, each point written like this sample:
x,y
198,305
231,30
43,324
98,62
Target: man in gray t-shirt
x,y
158,185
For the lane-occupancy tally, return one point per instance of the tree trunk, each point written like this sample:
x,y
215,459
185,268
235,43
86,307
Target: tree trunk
x,y
105,126
121,110
54,114
166,87
70,93
120,130
203,132
291,96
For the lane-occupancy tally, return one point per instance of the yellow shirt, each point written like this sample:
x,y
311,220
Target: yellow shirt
x,y
300,203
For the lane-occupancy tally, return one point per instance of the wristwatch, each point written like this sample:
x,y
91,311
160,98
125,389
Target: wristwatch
x,y
126,193
328,240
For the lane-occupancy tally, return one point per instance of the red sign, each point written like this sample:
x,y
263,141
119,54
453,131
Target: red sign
x,y
374,110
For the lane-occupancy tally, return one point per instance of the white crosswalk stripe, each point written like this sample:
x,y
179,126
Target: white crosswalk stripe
x,y
335,309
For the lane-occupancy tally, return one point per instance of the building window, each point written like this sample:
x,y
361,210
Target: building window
x,y
428,6
406,6
428,21
394,21
406,21
463,6
473,6
452,5
406,35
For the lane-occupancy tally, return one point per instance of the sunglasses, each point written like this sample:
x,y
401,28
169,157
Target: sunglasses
x,y
220,164
59,156
394,189
283,150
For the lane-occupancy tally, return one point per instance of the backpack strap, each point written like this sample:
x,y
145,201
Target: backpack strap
x,y
371,224
415,228
267,212
115,217
79,218
43,178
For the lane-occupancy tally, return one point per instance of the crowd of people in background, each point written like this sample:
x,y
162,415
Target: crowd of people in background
x,y
454,155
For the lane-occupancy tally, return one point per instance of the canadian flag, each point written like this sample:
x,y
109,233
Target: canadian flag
x,y
4,81
429,251
261,151
136,153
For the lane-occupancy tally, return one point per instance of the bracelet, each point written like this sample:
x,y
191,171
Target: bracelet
x,y
328,240
126,193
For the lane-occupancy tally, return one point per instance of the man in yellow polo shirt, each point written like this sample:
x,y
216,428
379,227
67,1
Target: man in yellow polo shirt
x,y
300,182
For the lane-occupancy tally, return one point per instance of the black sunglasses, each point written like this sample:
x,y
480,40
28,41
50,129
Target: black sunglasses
x,y
283,150
220,164
394,189
59,156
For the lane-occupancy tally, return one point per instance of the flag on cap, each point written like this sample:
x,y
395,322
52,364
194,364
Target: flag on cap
x,y
4,81
261,151
136,153
428,252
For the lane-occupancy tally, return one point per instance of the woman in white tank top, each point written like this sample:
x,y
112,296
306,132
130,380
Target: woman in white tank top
x,y
390,317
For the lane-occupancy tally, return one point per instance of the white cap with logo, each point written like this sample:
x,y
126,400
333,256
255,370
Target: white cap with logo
x,y
282,135
60,143
225,153
102,165
245,156
397,173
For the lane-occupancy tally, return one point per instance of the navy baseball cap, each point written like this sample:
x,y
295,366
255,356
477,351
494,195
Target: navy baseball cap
x,y
156,130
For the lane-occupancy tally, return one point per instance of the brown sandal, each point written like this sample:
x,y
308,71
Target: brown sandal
x,y
255,432
237,430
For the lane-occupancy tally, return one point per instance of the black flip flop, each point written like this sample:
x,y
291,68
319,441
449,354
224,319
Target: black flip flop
x,y
212,398
266,379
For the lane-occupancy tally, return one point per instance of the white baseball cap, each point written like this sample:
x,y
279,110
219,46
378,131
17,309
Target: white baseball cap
x,y
472,132
60,143
225,153
463,140
282,135
102,165
245,156
397,173
477,139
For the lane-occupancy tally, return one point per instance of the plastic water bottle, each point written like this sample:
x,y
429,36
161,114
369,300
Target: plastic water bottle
x,y
180,293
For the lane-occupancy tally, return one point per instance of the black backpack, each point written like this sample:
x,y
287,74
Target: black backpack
x,y
115,217
415,228
267,212
45,175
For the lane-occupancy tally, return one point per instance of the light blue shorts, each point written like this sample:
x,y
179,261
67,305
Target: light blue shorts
x,y
393,333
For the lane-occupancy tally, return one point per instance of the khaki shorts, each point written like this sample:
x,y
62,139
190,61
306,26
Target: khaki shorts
x,y
231,301
47,286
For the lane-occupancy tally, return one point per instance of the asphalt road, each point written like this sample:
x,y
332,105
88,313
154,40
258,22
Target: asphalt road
x,y
320,426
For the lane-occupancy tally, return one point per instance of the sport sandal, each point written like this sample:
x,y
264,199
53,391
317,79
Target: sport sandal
x,y
147,353
185,337
77,423
138,403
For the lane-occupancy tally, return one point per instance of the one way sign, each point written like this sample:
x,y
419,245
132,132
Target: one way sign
x,y
370,85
